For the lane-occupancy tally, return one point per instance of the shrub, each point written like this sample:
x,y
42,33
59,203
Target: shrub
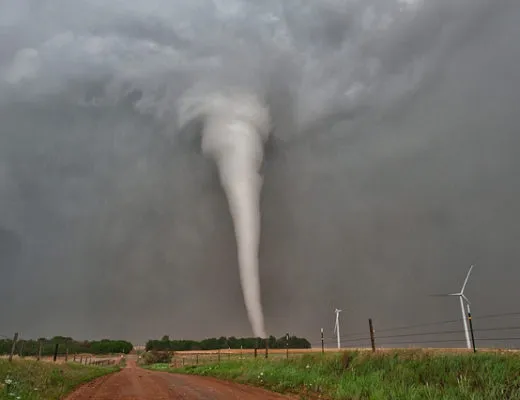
x,y
156,357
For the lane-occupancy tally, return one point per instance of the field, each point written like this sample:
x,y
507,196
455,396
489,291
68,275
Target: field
x,y
393,374
29,379
202,357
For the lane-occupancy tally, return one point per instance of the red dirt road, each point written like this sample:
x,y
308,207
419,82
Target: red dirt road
x,y
134,383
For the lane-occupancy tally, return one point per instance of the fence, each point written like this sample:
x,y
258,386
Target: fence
x,y
499,334
488,333
187,358
40,350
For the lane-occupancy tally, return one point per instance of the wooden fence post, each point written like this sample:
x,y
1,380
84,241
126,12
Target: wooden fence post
x,y
40,349
372,338
20,352
56,352
322,343
13,347
287,346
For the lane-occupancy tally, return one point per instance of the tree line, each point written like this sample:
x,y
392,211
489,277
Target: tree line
x,y
66,344
165,344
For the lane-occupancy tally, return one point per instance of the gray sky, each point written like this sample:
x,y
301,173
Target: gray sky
x,y
393,165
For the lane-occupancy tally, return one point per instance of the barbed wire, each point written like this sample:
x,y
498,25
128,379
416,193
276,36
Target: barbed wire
x,y
362,335
427,324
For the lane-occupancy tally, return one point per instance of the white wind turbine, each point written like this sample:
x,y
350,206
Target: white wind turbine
x,y
336,327
462,297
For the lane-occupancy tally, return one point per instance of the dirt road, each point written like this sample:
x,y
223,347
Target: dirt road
x,y
134,383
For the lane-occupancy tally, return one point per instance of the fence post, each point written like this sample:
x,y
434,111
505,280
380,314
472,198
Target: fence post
x,y
471,330
20,352
219,356
372,338
56,352
256,351
13,347
322,343
67,354
40,348
287,346
266,347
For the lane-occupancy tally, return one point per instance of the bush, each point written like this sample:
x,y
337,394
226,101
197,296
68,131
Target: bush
x,y
156,357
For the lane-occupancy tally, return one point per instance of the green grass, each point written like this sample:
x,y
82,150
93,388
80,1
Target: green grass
x,y
24,379
406,375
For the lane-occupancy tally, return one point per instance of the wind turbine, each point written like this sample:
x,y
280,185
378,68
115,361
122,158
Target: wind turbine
x,y
336,327
462,297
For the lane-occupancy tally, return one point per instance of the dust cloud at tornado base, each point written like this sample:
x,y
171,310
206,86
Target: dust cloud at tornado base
x,y
114,224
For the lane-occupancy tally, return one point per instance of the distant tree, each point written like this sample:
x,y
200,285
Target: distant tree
x,y
224,343
31,347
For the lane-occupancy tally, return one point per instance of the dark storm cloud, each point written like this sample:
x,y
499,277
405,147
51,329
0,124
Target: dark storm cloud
x,y
392,167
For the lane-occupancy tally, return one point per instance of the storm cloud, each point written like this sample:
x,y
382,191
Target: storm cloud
x,y
392,166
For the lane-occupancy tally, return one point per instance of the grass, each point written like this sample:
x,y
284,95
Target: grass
x,y
24,379
406,375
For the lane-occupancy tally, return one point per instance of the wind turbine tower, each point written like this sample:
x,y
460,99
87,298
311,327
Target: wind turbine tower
x,y
462,298
336,328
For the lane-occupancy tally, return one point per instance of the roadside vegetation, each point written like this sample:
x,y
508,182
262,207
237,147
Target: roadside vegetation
x,y
32,347
165,344
33,380
384,375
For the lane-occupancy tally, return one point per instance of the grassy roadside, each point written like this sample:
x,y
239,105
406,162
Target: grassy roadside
x,y
394,375
24,379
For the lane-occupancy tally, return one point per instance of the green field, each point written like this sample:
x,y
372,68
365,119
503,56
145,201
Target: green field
x,y
24,379
406,375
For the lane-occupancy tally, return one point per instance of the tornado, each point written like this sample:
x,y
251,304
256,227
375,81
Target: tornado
x,y
236,127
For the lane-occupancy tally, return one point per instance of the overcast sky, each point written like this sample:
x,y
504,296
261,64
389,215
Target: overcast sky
x,y
393,166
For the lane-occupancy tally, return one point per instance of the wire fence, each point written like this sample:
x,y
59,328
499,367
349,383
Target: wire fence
x,y
49,351
447,335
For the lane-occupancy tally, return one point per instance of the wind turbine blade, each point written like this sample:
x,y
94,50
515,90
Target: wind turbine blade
x,y
466,280
438,295
465,298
